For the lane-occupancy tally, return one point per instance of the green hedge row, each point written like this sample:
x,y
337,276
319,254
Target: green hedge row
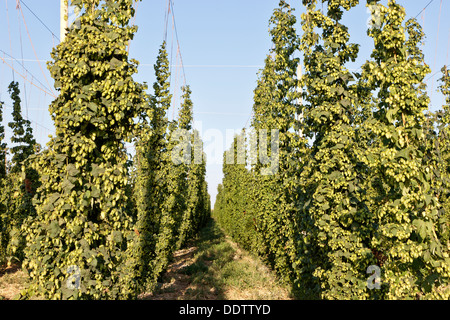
x,y
357,205
95,222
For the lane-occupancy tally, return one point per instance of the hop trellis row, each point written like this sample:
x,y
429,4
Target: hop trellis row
x,y
97,224
363,181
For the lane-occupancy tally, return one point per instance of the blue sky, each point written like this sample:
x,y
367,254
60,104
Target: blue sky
x,y
223,44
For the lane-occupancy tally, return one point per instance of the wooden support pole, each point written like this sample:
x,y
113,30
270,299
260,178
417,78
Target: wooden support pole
x,y
64,19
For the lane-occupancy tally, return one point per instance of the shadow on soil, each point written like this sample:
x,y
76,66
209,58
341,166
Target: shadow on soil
x,y
193,274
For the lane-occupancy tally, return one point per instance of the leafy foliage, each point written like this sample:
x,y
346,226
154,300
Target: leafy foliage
x,y
19,183
407,212
22,132
3,206
105,226
363,175
259,205
81,223
93,222
334,216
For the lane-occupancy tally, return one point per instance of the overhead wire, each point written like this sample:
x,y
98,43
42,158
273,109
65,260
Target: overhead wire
x,y
9,34
42,113
166,21
1,80
29,96
26,72
26,79
423,9
32,45
178,41
436,49
249,118
448,47
42,22
173,67
21,54
26,60
225,66
446,64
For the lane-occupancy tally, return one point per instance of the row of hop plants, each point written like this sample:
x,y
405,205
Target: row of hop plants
x,y
97,222
18,181
362,181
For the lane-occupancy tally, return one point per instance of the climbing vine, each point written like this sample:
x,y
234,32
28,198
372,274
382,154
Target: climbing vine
x,y
81,228
3,206
407,212
364,185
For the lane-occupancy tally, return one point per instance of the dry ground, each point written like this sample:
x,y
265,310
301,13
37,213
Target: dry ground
x,y
216,268
12,280
211,268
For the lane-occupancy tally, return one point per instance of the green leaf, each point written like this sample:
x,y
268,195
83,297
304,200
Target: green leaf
x,y
421,227
54,229
93,107
404,153
117,236
97,170
95,192
345,102
67,186
115,63
72,170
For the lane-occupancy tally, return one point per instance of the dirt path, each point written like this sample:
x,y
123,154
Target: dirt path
x,y
212,268
12,280
176,284
215,268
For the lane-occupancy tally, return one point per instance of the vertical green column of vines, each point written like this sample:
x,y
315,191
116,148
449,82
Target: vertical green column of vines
x,y
276,108
258,210
141,250
185,124
3,205
77,243
196,208
22,180
22,132
175,172
2,145
236,211
408,223
243,221
204,205
180,168
444,148
261,110
197,186
232,196
163,221
334,209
